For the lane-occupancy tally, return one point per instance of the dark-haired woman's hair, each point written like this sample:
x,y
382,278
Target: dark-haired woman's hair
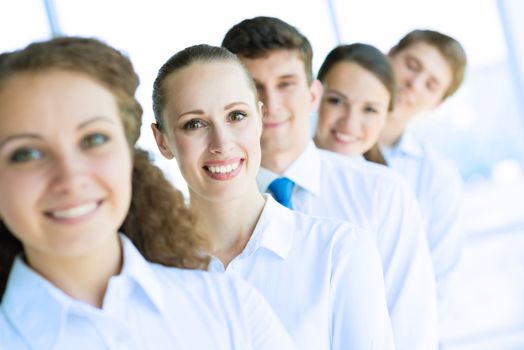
x,y
375,62
158,222
194,54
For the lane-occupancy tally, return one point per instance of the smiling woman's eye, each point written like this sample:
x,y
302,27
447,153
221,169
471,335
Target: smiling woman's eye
x,y
193,124
370,110
334,100
93,140
237,116
26,155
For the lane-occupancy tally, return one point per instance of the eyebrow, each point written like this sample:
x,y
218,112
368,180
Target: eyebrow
x,y
34,136
19,136
94,120
201,112
336,92
280,77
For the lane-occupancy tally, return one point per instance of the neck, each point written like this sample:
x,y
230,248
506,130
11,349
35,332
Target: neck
x,y
85,277
278,161
393,131
229,224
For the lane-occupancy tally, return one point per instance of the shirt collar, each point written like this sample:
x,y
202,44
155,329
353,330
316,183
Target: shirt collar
x,y
305,171
275,228
408,144
139,269
37,309
26,292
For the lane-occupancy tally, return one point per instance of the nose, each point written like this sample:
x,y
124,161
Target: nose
x,y
350,120
270,102
69,174
220,140
416,81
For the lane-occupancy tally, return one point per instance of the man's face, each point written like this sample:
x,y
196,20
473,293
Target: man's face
x,y
288,100
423,77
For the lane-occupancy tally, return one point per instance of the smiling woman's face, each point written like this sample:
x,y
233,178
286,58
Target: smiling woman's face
x,y
65,165
213,128
352,111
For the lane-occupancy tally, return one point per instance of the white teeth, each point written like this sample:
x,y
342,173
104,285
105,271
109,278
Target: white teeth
x,y
223,169
344,137
75,212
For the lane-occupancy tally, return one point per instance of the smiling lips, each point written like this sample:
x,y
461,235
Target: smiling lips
x,y
224,170
75,213
273,124
343,137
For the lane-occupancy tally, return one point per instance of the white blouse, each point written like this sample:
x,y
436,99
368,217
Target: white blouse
x,y
146,306
322,277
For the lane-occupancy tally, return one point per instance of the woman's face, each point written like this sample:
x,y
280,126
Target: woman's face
x,y
212,127
352,111
65,166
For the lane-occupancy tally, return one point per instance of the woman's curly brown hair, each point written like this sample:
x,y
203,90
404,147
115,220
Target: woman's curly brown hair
x,y
158,222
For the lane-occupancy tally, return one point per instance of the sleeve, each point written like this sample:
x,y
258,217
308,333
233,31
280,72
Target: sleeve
x,y
359,315
265,328
408,270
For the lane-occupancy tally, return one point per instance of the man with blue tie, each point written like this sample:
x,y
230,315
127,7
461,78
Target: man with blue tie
x,y
322,183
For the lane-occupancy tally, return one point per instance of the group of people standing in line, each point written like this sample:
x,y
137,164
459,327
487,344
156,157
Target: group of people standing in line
x,y
289,240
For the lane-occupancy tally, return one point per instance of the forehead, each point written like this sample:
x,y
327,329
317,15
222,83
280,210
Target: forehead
x,y
428,55
203,84
349,73
276,64
53,96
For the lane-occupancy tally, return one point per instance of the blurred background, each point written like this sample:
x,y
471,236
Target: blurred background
x,y
481,128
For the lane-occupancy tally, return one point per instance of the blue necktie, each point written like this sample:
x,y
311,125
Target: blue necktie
x,y
282,188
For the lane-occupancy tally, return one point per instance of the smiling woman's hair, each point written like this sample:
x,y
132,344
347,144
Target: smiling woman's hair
x,y
194,54
158,222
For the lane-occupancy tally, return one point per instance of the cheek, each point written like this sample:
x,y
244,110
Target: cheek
x,y
327,117
19,196
373,129
117,173
187,150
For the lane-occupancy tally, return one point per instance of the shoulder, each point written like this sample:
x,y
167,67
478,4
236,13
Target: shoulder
x,y
438,165
325,233
203,286
360,172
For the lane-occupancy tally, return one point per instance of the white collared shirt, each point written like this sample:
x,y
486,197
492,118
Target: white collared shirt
x,y
146,306
438,187
322,277
374,197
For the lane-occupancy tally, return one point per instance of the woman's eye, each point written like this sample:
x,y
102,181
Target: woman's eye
x,y
26,155
93,140
193,124
335,101
370,110
237,116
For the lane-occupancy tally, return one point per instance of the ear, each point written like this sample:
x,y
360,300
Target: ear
x,y
316,89
260,111
161,142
